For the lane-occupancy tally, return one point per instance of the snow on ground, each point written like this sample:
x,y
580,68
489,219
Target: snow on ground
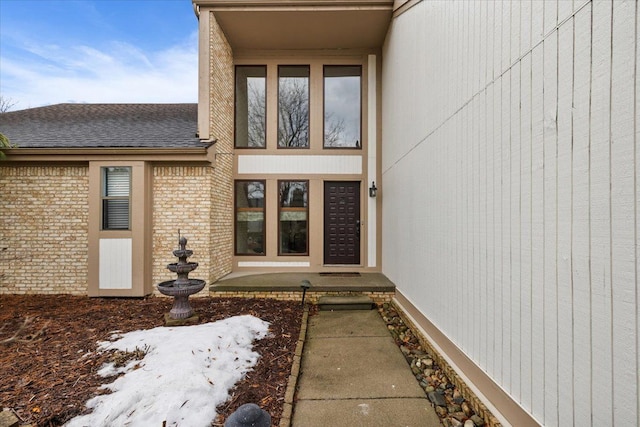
x,y
186,372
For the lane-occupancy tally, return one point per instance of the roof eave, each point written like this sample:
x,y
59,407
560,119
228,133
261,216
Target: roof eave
x,y
295,4
180,154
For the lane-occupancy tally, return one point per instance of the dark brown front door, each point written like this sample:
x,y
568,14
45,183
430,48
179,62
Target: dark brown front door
x,y
341,222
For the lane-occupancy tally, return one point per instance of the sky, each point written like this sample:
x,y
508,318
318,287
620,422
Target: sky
x,y
97,51
186,373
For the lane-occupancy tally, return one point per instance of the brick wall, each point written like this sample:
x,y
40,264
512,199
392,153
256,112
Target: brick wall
x,y
43,229
221,125
181,202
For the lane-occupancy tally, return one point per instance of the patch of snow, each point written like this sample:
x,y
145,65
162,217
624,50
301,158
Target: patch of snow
x,y
186,373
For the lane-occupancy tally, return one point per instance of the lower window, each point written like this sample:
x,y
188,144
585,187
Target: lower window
x,y
249,201
293,217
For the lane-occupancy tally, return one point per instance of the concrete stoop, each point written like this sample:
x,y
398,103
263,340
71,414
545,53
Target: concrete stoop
x,y
356,302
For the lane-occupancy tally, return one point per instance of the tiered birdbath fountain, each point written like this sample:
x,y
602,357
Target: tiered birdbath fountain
x,y
181,313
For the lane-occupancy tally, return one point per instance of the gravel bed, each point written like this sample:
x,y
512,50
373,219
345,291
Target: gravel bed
x,y
452,408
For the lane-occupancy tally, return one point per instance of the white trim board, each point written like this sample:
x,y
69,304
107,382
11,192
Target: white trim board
x,y
306,164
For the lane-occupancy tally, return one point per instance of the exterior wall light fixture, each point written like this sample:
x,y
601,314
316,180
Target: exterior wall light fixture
x,y
373,191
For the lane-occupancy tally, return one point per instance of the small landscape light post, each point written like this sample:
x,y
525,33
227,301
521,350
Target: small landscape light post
x,y
305,284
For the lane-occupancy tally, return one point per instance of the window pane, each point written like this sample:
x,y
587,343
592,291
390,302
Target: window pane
x,y
115,214
342,106
293,106
249,217
293,217
251,106
117,181
116,193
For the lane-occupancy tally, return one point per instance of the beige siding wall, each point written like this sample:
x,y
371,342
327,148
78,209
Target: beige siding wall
x,y
181,201
43,229
510,195
222,113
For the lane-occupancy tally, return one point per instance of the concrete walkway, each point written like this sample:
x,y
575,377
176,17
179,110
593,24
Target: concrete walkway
x,y
353,374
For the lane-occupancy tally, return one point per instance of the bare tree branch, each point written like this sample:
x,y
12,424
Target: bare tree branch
x,y
257,117
6,104
293,113
27,338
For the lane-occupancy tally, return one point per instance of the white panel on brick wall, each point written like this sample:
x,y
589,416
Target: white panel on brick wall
x,y
276,164
115,264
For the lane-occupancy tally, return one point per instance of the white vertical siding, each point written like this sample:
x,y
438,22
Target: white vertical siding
x,y
580,233
515,212
623,216
537,233
563,215
550,224
600,210
637,206
505,282
524,333
512,192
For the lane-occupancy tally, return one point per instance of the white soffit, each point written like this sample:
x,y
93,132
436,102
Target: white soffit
x,y
278,164
302,24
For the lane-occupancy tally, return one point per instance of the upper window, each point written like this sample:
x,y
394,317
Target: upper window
x,y
293,106
294,214
342,106
250,229
251,95
116,198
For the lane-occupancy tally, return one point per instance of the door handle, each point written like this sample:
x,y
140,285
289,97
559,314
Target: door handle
x,y
358,229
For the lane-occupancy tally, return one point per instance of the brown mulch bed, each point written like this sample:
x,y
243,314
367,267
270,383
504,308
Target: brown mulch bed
x,y
49,371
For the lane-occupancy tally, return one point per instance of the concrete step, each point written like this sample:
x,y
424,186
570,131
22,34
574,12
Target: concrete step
x,y
357,302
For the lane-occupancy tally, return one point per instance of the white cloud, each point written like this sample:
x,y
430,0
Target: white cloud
x,y
120,72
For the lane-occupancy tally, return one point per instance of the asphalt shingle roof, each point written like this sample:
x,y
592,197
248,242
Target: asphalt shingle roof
x,y
103,126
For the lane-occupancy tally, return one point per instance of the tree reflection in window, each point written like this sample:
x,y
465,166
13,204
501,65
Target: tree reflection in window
x,y
293,215
342,106
250,238
293,106
250,122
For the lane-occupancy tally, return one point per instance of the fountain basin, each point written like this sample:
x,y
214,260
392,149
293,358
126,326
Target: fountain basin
x,y
181,268
183,253
169,287
181,308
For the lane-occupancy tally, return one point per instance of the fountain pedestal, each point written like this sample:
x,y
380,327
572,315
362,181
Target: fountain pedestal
x,y
180,289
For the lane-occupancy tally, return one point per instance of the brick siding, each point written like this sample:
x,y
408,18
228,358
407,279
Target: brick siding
x,y
221,128
43,229
181,202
